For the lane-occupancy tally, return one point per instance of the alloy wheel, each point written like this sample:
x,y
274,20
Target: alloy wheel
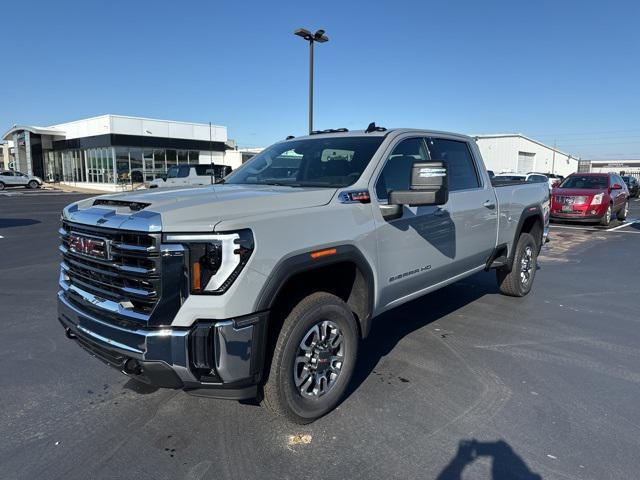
x,y
319,359
526,265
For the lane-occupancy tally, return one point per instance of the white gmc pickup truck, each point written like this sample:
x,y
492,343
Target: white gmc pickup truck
x,y
264,285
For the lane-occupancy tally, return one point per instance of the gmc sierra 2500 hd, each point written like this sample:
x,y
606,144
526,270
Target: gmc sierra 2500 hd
x,y
264,285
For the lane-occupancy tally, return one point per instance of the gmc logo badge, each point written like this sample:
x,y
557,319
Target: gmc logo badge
x,y
91,246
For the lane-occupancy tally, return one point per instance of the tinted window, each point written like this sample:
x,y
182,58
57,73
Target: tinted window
x,y
599,182
313,162
183,171
396,174
203,170
456,155
537,179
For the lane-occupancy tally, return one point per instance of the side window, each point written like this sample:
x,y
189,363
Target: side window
x,y
396,174
461,167
183,171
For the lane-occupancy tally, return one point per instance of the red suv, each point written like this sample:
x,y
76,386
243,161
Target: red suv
x,y
590,197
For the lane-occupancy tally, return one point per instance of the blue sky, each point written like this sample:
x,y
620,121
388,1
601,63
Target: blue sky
x,y
563,71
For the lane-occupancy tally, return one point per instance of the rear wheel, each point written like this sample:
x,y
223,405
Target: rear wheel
x,y
623,212
313,359
606,219
518,281
1,186
32,184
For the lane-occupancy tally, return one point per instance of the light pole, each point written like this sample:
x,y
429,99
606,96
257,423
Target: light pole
x,y
319,37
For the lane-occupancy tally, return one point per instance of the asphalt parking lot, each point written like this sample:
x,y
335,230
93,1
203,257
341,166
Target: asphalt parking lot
x,y
463,383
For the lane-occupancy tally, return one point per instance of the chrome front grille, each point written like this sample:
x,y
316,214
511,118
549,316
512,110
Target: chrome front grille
x,y
571,199
114,272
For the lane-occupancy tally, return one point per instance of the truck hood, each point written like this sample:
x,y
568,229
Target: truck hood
x,y
198,209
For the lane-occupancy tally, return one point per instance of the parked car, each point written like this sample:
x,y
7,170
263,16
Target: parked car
x,y
269,281
520,177
632,185
12,178
590,197
554,180
193,175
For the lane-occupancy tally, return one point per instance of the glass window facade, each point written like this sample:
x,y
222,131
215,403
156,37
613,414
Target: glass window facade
x,y
114,165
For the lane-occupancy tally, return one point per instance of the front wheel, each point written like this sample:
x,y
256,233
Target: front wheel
x,y
518,281
33,184
313,359
606,219
623,212
1,186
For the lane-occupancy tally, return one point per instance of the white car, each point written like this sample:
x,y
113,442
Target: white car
x,y
191,175
11,178
531,177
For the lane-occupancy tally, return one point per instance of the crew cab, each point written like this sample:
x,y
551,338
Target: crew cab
x,y
590,197
265,284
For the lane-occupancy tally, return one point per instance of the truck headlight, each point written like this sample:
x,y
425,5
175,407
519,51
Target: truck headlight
x,y
215,259
597,199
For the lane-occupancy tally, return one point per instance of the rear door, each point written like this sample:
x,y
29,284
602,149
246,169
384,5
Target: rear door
x,y
473,202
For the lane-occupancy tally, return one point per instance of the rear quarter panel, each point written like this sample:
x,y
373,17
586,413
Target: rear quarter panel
x,y
512,202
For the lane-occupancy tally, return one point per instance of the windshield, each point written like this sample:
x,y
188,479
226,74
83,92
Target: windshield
x,y
590,182
313,162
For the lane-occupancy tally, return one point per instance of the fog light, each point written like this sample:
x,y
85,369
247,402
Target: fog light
x,y
593,212
132,367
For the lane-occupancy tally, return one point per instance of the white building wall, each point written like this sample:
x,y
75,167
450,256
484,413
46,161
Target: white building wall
x,y
119,124
500,154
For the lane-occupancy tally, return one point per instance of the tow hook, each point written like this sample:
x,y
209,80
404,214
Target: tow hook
x,y
70,334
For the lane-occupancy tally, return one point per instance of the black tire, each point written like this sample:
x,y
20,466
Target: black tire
x,y
525,260
33,184
1,186
281,395
606,218
622,213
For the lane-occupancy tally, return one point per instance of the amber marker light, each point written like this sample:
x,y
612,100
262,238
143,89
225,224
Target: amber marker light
x,y
323,253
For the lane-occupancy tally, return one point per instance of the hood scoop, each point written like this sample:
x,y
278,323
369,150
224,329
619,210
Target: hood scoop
x,y
133,206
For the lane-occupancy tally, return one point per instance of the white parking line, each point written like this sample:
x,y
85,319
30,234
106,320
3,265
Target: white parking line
x,y
626,224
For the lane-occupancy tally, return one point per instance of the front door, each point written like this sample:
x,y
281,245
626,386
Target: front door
x,y
415,251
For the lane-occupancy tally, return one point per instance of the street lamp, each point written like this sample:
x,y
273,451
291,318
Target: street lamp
x,y
319,37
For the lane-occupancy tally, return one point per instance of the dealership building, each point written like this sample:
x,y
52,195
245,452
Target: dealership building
x,y
114,152
516,153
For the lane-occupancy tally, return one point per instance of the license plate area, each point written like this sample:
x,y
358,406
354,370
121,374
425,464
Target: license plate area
x,y
567,208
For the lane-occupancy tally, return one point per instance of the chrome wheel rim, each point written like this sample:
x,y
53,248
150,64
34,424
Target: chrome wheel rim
x,y
626,209
319,359
526,265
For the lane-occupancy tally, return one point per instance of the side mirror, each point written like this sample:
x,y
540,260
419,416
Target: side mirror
x,y
429,186
616,186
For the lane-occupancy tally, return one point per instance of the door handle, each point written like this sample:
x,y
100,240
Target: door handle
x,y
489,204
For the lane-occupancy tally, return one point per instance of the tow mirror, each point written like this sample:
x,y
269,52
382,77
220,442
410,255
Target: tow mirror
x,y
429,186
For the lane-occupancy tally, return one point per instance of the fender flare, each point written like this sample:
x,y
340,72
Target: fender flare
x,y
528,212
298,263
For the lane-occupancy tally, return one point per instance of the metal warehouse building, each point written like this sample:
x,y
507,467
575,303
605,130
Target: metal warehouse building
x,y
520,154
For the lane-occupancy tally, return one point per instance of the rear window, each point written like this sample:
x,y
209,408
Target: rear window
x,y
588,181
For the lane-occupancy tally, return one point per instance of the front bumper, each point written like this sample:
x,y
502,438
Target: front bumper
x,y
217,358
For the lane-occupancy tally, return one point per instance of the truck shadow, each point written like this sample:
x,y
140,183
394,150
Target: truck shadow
x,y
505,463
391,327
17,222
